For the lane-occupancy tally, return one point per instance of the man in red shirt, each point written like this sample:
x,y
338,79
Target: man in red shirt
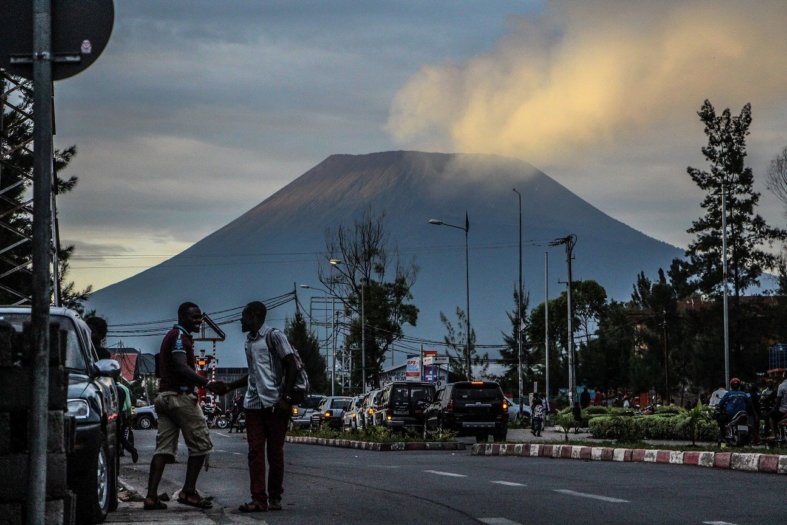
x,y
178,412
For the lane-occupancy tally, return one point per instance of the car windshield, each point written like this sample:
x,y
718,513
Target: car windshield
x,y
340,403
75,360
412,393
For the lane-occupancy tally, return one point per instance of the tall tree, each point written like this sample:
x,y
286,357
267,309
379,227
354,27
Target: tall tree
x,y
748,233
308,346
16,176
362,269
509,356
456,342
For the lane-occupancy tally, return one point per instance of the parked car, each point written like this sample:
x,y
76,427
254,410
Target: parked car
x,y
371,414
469,408
302,414
93,404
329,412
144,418
353,413
513,411
402,404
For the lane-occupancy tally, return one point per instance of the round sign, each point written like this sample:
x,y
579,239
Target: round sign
x,y
80,32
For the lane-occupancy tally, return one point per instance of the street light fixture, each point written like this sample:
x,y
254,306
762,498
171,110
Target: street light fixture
x,y
466,229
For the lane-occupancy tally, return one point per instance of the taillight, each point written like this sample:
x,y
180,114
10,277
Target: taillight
x,y
294,411
450,406
389,414
505,405
328,414
370,411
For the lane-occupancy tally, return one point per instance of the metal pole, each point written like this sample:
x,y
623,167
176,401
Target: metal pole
x,y
572,380
724,283
546,319
519,312
333,344
42,223
363,342
467,284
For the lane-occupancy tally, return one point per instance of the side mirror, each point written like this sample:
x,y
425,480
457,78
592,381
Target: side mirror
x,y
107,368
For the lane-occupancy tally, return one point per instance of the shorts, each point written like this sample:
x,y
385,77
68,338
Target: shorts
x,y
180,413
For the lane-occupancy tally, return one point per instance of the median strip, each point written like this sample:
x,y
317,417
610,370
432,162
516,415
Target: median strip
x,y
375,446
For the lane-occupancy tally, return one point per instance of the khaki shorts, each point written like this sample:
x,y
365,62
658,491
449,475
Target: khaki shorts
x,y
180,413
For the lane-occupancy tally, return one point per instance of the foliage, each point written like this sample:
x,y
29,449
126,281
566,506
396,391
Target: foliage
x,y
16,167
673,424
509,356
308,346
368,278
456,341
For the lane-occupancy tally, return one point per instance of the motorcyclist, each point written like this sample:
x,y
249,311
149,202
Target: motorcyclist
x,y
767,402
734,401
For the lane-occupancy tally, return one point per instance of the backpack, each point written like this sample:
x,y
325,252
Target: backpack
x,y
301,387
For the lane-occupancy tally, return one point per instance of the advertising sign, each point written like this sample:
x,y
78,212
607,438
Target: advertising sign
x,y
413,371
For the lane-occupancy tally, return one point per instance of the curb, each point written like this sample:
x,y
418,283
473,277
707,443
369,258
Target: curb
x,y
765,463
377,447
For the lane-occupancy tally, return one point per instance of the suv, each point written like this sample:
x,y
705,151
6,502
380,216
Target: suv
x,y
469,408
92,462
329,413
144,418
402,404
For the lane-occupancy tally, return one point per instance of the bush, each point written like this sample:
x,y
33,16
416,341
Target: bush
x,y
670,409
596,411
621,428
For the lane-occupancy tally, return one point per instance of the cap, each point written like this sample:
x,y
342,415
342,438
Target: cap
x,y
735,382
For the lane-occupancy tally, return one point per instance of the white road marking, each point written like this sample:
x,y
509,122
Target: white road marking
x,y
449,474
238,454
717,523
591,496
498,521
509,483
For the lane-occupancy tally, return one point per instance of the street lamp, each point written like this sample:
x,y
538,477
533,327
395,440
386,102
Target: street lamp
x,y
466,229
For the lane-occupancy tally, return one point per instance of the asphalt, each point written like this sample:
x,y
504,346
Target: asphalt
x,y
550,444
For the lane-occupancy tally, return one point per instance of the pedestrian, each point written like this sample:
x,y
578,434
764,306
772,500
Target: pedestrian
x,y
98,335
178,411
537,409
626,402
716,396
237,408
598,398
125,434
584,398
268,406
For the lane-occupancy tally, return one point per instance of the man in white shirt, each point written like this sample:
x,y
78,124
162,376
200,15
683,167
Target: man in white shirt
x,y
716,396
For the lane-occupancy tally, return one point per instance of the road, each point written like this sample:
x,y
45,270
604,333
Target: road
x,y
325,485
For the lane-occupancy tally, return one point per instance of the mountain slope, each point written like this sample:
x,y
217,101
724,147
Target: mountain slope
x,y
277,243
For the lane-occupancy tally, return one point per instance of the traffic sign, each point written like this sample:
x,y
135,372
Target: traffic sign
x,y
80,32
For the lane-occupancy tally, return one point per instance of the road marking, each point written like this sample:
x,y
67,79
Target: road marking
x,y
449,474
498,521
509,483
717,523
591,496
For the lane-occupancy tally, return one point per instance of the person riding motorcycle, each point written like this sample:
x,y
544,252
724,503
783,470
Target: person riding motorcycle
x,y
734,401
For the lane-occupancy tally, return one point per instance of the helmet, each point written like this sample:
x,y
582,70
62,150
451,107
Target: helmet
x,y
735,382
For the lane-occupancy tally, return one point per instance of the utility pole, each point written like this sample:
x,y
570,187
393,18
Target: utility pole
x,y
546,321
519,311
569,241
724,283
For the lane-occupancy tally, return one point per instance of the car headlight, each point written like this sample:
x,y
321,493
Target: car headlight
x,y
78,408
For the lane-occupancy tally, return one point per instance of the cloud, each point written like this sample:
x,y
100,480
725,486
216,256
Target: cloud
x,y
585,76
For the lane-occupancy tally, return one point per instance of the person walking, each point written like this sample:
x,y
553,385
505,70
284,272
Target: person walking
x,y
237,408
268,405
178,412
125,434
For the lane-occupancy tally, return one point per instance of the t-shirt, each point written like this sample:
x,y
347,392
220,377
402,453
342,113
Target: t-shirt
x,y
734,401
177,340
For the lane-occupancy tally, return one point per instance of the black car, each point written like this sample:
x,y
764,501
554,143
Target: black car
x,y
93,405
402,404
468,408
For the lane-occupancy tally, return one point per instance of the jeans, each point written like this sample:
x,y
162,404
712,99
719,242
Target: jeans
x,y
265,431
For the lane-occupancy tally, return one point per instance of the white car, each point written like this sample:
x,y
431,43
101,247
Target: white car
x,y
144,418
513,411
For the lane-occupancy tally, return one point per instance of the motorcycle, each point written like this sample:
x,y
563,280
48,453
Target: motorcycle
x,y
215,417
736,431
780,435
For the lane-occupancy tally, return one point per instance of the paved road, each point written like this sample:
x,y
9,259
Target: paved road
x,y
342,486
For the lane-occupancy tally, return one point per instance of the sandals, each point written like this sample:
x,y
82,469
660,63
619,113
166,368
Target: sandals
x,y
253,506
193,499
153,504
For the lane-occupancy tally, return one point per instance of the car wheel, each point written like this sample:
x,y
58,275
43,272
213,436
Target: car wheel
x,y
93,491
144,422
222,422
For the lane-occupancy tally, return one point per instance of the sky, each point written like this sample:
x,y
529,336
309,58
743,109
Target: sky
x,y
197,111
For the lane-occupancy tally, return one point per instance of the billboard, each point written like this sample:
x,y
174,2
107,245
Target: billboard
x,y
413,370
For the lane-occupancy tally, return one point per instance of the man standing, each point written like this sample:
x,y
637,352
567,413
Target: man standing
x,y
268,403
177,409
98,334
779,410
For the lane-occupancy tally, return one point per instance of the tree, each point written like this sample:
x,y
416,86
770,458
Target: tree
x,y
777,176
368,280
456,342
16,176
308,346
748,232
509,356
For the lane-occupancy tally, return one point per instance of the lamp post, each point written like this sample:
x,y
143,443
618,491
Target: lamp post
x,y
724,279
466,229
519,310
569,241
